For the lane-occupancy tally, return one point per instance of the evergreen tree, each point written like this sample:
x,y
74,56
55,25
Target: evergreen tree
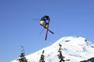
x,y
60,56
22,56
42,57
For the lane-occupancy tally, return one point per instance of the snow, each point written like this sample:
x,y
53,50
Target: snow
x,y
74,48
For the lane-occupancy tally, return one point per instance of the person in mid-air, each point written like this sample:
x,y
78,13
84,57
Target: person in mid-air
x,y
45,22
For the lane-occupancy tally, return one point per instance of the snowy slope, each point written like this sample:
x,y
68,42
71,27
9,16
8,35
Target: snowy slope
x,y
74,48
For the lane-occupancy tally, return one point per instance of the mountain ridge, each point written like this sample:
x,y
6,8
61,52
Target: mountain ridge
x,y
73,48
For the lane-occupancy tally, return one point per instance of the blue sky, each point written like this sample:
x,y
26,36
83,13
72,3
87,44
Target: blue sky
x,y
19,24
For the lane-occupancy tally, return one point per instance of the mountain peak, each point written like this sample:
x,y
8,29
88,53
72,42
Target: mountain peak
x,y
72,40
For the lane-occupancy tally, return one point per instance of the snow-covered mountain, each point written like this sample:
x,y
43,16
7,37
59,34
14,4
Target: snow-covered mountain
x,y
74,49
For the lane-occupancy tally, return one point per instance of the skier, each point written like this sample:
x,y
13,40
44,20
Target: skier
x,y
45,21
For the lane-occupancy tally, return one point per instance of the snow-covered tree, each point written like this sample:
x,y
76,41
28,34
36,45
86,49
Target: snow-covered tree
x,y
42,58
60,56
